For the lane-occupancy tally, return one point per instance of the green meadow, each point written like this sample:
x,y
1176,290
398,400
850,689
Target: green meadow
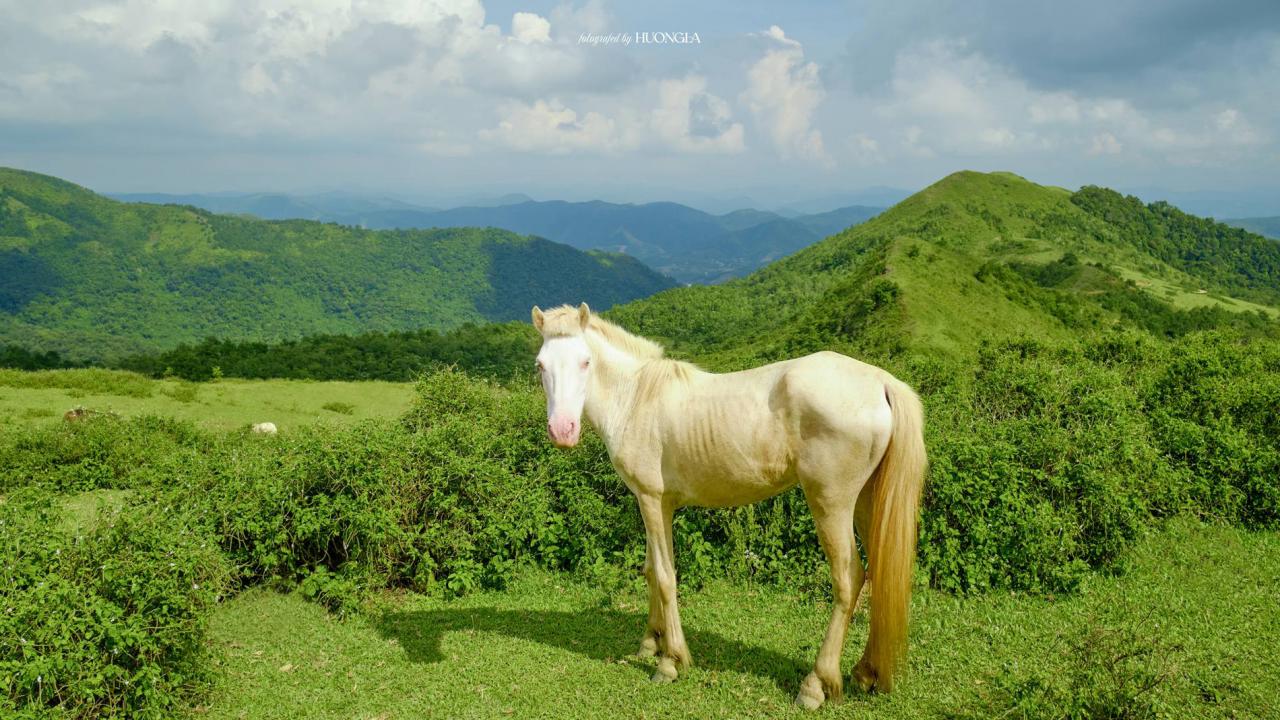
x,y
43,397
552,645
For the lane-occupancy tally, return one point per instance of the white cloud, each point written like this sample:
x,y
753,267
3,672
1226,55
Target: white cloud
x,y
963,100
945,99
685,118
256,81
530,27
1105,144
440,144
783,91
690,119
550,127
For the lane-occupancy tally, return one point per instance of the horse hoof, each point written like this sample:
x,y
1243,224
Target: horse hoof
x,y
666,672
864,675
648,648
810,696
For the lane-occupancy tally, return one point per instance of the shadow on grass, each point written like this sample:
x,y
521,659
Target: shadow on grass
x,y
595,633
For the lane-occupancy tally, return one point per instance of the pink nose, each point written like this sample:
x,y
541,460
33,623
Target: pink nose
x,y
564,431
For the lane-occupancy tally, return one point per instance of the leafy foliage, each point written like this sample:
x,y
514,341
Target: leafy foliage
x,y
107,623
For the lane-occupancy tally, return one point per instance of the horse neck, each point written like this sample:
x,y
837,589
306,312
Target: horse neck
x,y
612,387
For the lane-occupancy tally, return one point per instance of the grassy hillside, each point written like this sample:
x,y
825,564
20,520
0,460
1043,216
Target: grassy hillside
x,y
93,277
956,264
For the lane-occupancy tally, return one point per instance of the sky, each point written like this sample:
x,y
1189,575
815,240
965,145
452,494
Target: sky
x,y
711,103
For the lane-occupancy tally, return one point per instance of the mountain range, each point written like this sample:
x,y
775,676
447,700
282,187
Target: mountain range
x,y
93,277
1264,226
690,245
973,257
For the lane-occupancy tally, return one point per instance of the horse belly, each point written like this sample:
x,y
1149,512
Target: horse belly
x,y
731,471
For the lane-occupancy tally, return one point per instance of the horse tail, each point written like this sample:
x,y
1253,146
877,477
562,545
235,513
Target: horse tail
x,y
897,483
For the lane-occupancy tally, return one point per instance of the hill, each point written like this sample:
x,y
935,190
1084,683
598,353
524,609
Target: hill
x,y
1264,226
977,256
97,278
687,244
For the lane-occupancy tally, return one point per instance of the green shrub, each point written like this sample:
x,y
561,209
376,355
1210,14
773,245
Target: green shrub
x,y
111,623
102,452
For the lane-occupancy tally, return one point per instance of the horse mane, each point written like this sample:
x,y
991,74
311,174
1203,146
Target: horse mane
x,y
563,322
657,372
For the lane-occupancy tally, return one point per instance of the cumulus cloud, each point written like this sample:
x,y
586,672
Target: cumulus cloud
x,y
530,27
783,91
901,95
690,119
316,67
944,98
686,118
551,127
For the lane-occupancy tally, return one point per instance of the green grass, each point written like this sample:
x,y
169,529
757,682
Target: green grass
x,y
1202,598
42,397
1178,294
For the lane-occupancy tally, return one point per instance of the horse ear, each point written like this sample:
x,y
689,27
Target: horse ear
x,y
537,318
584,315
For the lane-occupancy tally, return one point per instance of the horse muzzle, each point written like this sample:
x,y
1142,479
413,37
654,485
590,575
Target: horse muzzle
x,y
564,431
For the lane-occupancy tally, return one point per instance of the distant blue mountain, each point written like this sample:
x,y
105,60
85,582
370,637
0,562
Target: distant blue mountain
x,y
687,244
327,207
1264,226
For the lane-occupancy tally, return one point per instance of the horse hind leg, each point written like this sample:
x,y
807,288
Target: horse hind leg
x,y
864,673
834,520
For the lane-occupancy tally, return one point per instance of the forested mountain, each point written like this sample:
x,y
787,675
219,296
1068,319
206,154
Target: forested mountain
x,y
974,257
92,277
687,244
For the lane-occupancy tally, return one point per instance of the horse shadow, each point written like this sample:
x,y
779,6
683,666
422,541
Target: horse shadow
x,y
596,633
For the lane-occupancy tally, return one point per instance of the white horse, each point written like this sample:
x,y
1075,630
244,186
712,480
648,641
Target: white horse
x,y
848,433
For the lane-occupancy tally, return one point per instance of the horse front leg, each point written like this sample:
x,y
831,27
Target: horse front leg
x,y
662,586
652,632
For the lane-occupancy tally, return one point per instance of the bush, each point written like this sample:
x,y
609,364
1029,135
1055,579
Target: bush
x,y
102,452
1048,461
109,623
450,499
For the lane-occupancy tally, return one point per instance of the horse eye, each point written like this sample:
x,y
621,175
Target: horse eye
x,y
585,363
